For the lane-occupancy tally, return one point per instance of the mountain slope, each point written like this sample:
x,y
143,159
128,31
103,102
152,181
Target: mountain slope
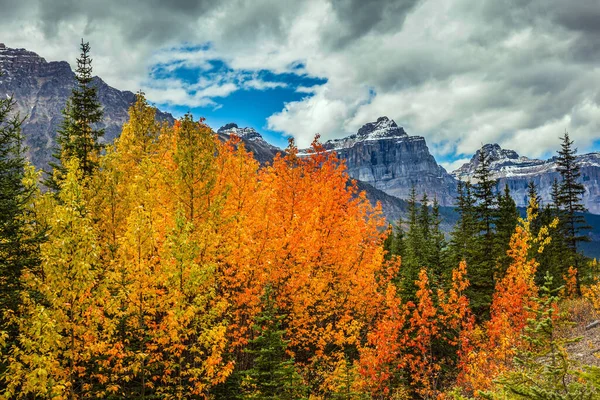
x,y
41,90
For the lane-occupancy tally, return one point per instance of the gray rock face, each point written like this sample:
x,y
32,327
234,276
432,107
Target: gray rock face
x,y
383,155
41,90
517,171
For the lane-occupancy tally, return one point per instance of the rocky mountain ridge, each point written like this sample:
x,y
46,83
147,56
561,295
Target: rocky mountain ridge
x,y
517,171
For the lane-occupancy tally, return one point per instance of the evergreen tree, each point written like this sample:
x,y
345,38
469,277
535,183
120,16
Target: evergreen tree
x,y
505,227
413,260
462,241
79,133
552,259
273,375
399,245
487,201
555,196
18,241
424,220
569,197
483,267
437,243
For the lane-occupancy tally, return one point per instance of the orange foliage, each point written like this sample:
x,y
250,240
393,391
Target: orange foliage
x,y
406,342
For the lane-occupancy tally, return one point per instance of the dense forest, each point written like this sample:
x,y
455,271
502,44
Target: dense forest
x,y
172,265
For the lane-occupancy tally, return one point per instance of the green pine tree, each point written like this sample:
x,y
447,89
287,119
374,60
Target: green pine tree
x,y
437,244
79,133
399,244
388,243
273,374
414,259
554,260
463,236
18,240
424,221
505,227
569,198
483,267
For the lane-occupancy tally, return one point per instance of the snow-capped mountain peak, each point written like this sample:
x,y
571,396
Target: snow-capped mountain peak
x,y
382,128
502,162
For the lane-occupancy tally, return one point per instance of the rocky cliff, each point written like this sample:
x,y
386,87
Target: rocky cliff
x,y
382,154
41,90
517,171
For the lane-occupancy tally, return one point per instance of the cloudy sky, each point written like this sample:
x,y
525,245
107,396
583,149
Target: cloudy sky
x,y
459,72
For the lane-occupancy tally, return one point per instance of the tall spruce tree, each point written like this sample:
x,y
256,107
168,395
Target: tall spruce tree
x,y
399,245
388,243
414,258
424,221
487,201
555,258
437,243
462,240
569,197
483,267
18,243
79,133
506,223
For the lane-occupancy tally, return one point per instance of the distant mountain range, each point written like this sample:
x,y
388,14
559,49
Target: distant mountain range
x,y
517,171
381,155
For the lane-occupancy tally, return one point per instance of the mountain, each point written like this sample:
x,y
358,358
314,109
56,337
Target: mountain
x,y
383,155
517,171
263,151
41,90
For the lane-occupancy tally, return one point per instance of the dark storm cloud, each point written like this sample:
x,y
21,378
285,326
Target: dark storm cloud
x,y
136,19
359,17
